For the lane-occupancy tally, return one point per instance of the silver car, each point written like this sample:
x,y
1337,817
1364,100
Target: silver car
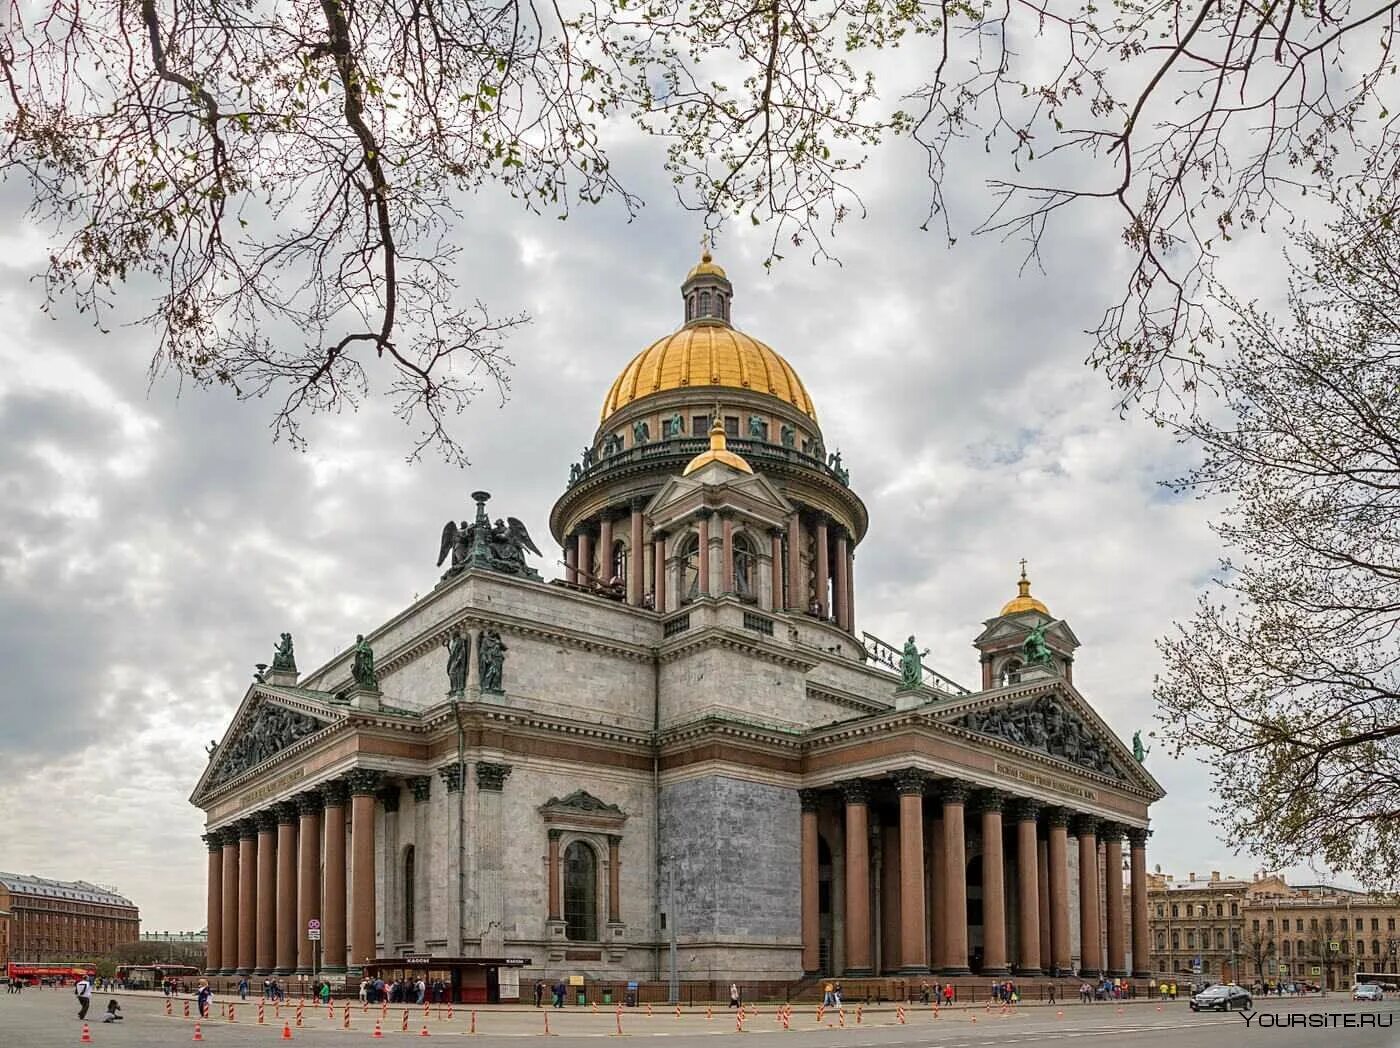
x,y
1367,992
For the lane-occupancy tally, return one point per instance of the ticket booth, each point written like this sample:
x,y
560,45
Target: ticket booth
x,y
464,980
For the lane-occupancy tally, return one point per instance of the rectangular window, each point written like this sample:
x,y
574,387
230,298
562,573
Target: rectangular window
x,y
1285,924
1343,924
1256,923
1175,912
731,425
1190,940
1390,924
699,425
1375,924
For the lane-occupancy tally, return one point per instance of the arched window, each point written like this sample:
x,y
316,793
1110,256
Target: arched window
x,y
1287,948
580,893
745,561
704,303
1011,674
689,557
1161,942
617,563
408,893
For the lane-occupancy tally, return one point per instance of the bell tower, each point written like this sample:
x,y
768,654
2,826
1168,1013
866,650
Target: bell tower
x,y
1003,641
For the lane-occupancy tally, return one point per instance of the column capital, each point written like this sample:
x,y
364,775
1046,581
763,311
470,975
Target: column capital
x,y
1023,809
389,797
214,839
856,791
614,840
492,777
1111,831
910,781
247,829
334,794
266,820
1137,836
286,812
422,787
364,781
453,775
989,801
1056,816
953,791
310,802
555,834
1084,825
810,799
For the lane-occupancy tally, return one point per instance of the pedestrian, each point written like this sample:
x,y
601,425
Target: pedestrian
x,y
83,991
422,991
204,998
733,995
243,988
114,1012
539,992
1051,994
947,993
364,990
827,999
923,992
1172,989
836,994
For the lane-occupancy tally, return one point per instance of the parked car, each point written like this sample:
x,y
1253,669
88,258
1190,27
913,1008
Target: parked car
x,y
1221,997
1367,992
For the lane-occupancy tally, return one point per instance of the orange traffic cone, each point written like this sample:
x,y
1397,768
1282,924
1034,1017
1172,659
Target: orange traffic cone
x,y
286,1032
378,1033
87,1035
424,1032
197,1035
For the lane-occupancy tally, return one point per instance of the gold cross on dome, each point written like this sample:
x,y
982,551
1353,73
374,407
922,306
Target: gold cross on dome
x,y
1023,567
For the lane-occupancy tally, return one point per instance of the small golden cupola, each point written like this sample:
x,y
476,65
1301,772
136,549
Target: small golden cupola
x,y
707,292
1023,601
718,452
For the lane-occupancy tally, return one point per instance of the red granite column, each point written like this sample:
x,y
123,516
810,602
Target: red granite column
x,y
586,575
823,569
266,952
658,571
364,784
1042,878
556,909
614,879
229,960
286,888
858,948
247,896
841,596
1027,889
309,875
938,864
333,900
811,888
702,556
1058,819
571,559
214,910
886,898
775,555
954,797
851,590
727,553
636,565
605,549
1137,858
794,576
913,959
994,959
1090,957
1113,899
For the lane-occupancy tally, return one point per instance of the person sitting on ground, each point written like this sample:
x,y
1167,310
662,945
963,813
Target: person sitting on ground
x,y
114,1012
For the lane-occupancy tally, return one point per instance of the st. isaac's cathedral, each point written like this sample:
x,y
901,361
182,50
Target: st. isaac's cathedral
x,y
685,738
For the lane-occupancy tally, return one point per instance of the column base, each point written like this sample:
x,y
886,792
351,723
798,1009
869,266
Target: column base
x,y
243,971
1061,972
264,972
1090,973
285,973
859,973
1143,975
1029,972
332,969
914,969
955,969
1117,973
996,973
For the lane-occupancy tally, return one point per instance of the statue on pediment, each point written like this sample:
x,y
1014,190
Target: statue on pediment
x,y
362,668
911,665
283,658
491,659
1139,751
459,647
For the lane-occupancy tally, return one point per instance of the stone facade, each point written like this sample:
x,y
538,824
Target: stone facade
x,y
691,737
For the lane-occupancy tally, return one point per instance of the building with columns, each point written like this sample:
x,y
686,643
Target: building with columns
x,y
686,735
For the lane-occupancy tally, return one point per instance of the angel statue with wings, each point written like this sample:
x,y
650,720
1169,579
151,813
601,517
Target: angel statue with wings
x,y
500,547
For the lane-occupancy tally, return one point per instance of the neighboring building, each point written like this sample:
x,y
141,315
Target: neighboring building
x,y
6,925
1265,928
65,920
686,733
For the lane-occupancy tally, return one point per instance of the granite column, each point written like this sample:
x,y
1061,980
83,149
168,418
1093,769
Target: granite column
x,y
286,952
1090,957
1113,900
333,901
954,797
1027,889
309,806
859,957
364,784
247,896
811,887
214,910
913,945
994,958
230,896
1137,858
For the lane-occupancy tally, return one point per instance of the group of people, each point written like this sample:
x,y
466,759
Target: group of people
x,y
1109,990
83,989
272,990
407,991
937,993
1166,991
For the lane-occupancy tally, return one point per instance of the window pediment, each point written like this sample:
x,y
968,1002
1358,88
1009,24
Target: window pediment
x,y
582,810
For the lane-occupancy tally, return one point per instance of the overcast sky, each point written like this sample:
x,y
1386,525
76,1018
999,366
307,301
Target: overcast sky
x,y
154,543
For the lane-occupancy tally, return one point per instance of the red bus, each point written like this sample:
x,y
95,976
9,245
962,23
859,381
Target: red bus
x,y
152,976
56,972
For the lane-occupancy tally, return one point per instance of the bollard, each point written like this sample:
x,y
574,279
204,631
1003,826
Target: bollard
x,y
261,1015
404,1028
298,1019
709,1013
346,1015
619,1020
233,1013
187,1009
473,1020
858,1013
899,1014
841,1018
546,1024
171,1011
678,1011
739,1021
330,1012
648,1009
449,1011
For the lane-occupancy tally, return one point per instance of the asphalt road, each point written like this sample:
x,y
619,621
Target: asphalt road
x,y
48,1020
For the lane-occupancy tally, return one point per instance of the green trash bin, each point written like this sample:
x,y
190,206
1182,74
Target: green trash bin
x,y
607,997
582,999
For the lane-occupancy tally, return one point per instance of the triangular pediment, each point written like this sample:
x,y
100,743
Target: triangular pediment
x,y
746,493
1051,719
265,725
1015,627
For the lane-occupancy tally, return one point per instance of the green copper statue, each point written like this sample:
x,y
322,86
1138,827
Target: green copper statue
x,y
911,665
1034,648
1138,751
283,658
362,669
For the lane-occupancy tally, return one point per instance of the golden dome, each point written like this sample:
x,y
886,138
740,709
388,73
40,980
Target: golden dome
x,y
1023,601
707,266
718,453
708,353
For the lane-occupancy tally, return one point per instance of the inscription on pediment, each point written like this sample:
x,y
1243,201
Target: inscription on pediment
x,y
1048,725
265,732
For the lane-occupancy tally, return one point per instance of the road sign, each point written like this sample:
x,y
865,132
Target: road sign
x,y
1334,946
313,929
1283,969
1316,970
